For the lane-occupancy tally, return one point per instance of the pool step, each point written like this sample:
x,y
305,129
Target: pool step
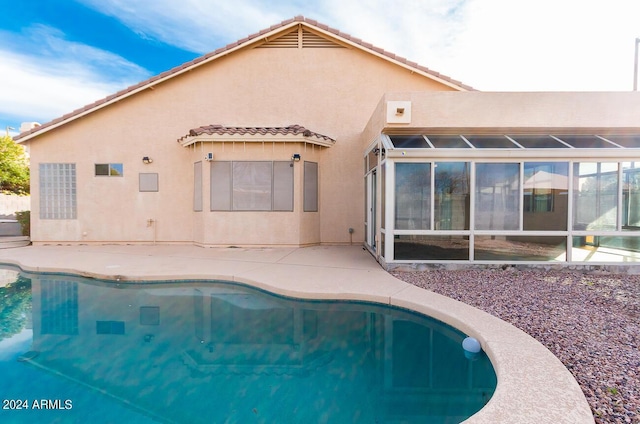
x,y
10,227
14,241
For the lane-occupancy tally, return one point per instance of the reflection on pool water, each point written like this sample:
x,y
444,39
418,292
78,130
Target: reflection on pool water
x,y
217,352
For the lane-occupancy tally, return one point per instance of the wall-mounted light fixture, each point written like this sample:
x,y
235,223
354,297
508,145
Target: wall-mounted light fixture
x,y
147,160
296,157
377,150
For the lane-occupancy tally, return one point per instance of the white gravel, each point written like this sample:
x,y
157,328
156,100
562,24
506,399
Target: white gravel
x,y
591,322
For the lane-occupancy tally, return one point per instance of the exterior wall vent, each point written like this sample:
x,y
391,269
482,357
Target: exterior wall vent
x,y
286,41
312,40
300,38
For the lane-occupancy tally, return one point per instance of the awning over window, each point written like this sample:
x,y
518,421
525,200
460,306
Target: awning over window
x,y
222,134
470,141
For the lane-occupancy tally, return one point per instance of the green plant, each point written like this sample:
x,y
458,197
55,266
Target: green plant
x,y
612,390
14,167
15,306
24,218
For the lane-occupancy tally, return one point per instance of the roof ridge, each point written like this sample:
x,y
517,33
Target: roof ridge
x,y
253,37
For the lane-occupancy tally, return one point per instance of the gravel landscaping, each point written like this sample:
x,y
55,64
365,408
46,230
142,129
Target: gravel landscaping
x,y
590,321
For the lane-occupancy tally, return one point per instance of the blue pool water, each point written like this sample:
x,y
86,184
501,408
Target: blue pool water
x,y
83,350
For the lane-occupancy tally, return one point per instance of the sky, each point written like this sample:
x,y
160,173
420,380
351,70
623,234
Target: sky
x,y
59,55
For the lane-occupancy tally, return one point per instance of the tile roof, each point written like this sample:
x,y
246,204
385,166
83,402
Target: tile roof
x,y
228,48
253,131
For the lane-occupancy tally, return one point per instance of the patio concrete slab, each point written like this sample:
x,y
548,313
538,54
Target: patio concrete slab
x,y
533,385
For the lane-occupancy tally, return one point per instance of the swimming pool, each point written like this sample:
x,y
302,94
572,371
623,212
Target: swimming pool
x,y
220,352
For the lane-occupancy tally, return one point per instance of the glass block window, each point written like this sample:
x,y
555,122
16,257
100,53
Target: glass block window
x,y
58,191
109,169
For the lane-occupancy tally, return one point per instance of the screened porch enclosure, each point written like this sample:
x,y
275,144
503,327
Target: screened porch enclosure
x,y
503,198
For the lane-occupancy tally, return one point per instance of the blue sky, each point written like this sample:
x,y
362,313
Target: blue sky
x,y
59,55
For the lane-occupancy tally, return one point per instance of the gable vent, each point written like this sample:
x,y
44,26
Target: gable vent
x,y
311,40
289,40
300,38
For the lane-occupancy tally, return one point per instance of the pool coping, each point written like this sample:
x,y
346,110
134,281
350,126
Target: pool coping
x,y
533,385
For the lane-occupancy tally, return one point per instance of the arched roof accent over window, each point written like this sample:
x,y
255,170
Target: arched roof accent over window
x,y
289,134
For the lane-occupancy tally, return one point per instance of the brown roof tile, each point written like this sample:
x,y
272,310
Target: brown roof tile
x,y
255,36
222,130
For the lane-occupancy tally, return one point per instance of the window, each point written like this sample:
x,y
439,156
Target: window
x,y
631,196
197,186
110,327
310,187
57,190
538,200
595,196
451,201
413,196
545,196
109,169
252,186
540,180
497,196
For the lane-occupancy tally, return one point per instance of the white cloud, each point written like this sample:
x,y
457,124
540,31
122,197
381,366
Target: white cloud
x,y
547,44
489,44
497,45
504,45
194,25
46,76
423,31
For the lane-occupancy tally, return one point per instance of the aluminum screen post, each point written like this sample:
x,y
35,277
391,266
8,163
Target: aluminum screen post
x,y
635,67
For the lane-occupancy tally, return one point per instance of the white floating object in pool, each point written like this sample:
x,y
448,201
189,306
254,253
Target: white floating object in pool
x,y
471,345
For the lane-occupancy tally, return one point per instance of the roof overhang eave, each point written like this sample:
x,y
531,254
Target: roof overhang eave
x,y
206,138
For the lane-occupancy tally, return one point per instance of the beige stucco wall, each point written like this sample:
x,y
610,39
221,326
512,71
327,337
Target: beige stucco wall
x,y
241,227
519,111
332,91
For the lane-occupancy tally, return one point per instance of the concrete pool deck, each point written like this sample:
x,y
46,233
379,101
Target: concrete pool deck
x,y
533,385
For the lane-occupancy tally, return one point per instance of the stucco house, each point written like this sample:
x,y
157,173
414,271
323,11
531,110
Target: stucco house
x,y
303,135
